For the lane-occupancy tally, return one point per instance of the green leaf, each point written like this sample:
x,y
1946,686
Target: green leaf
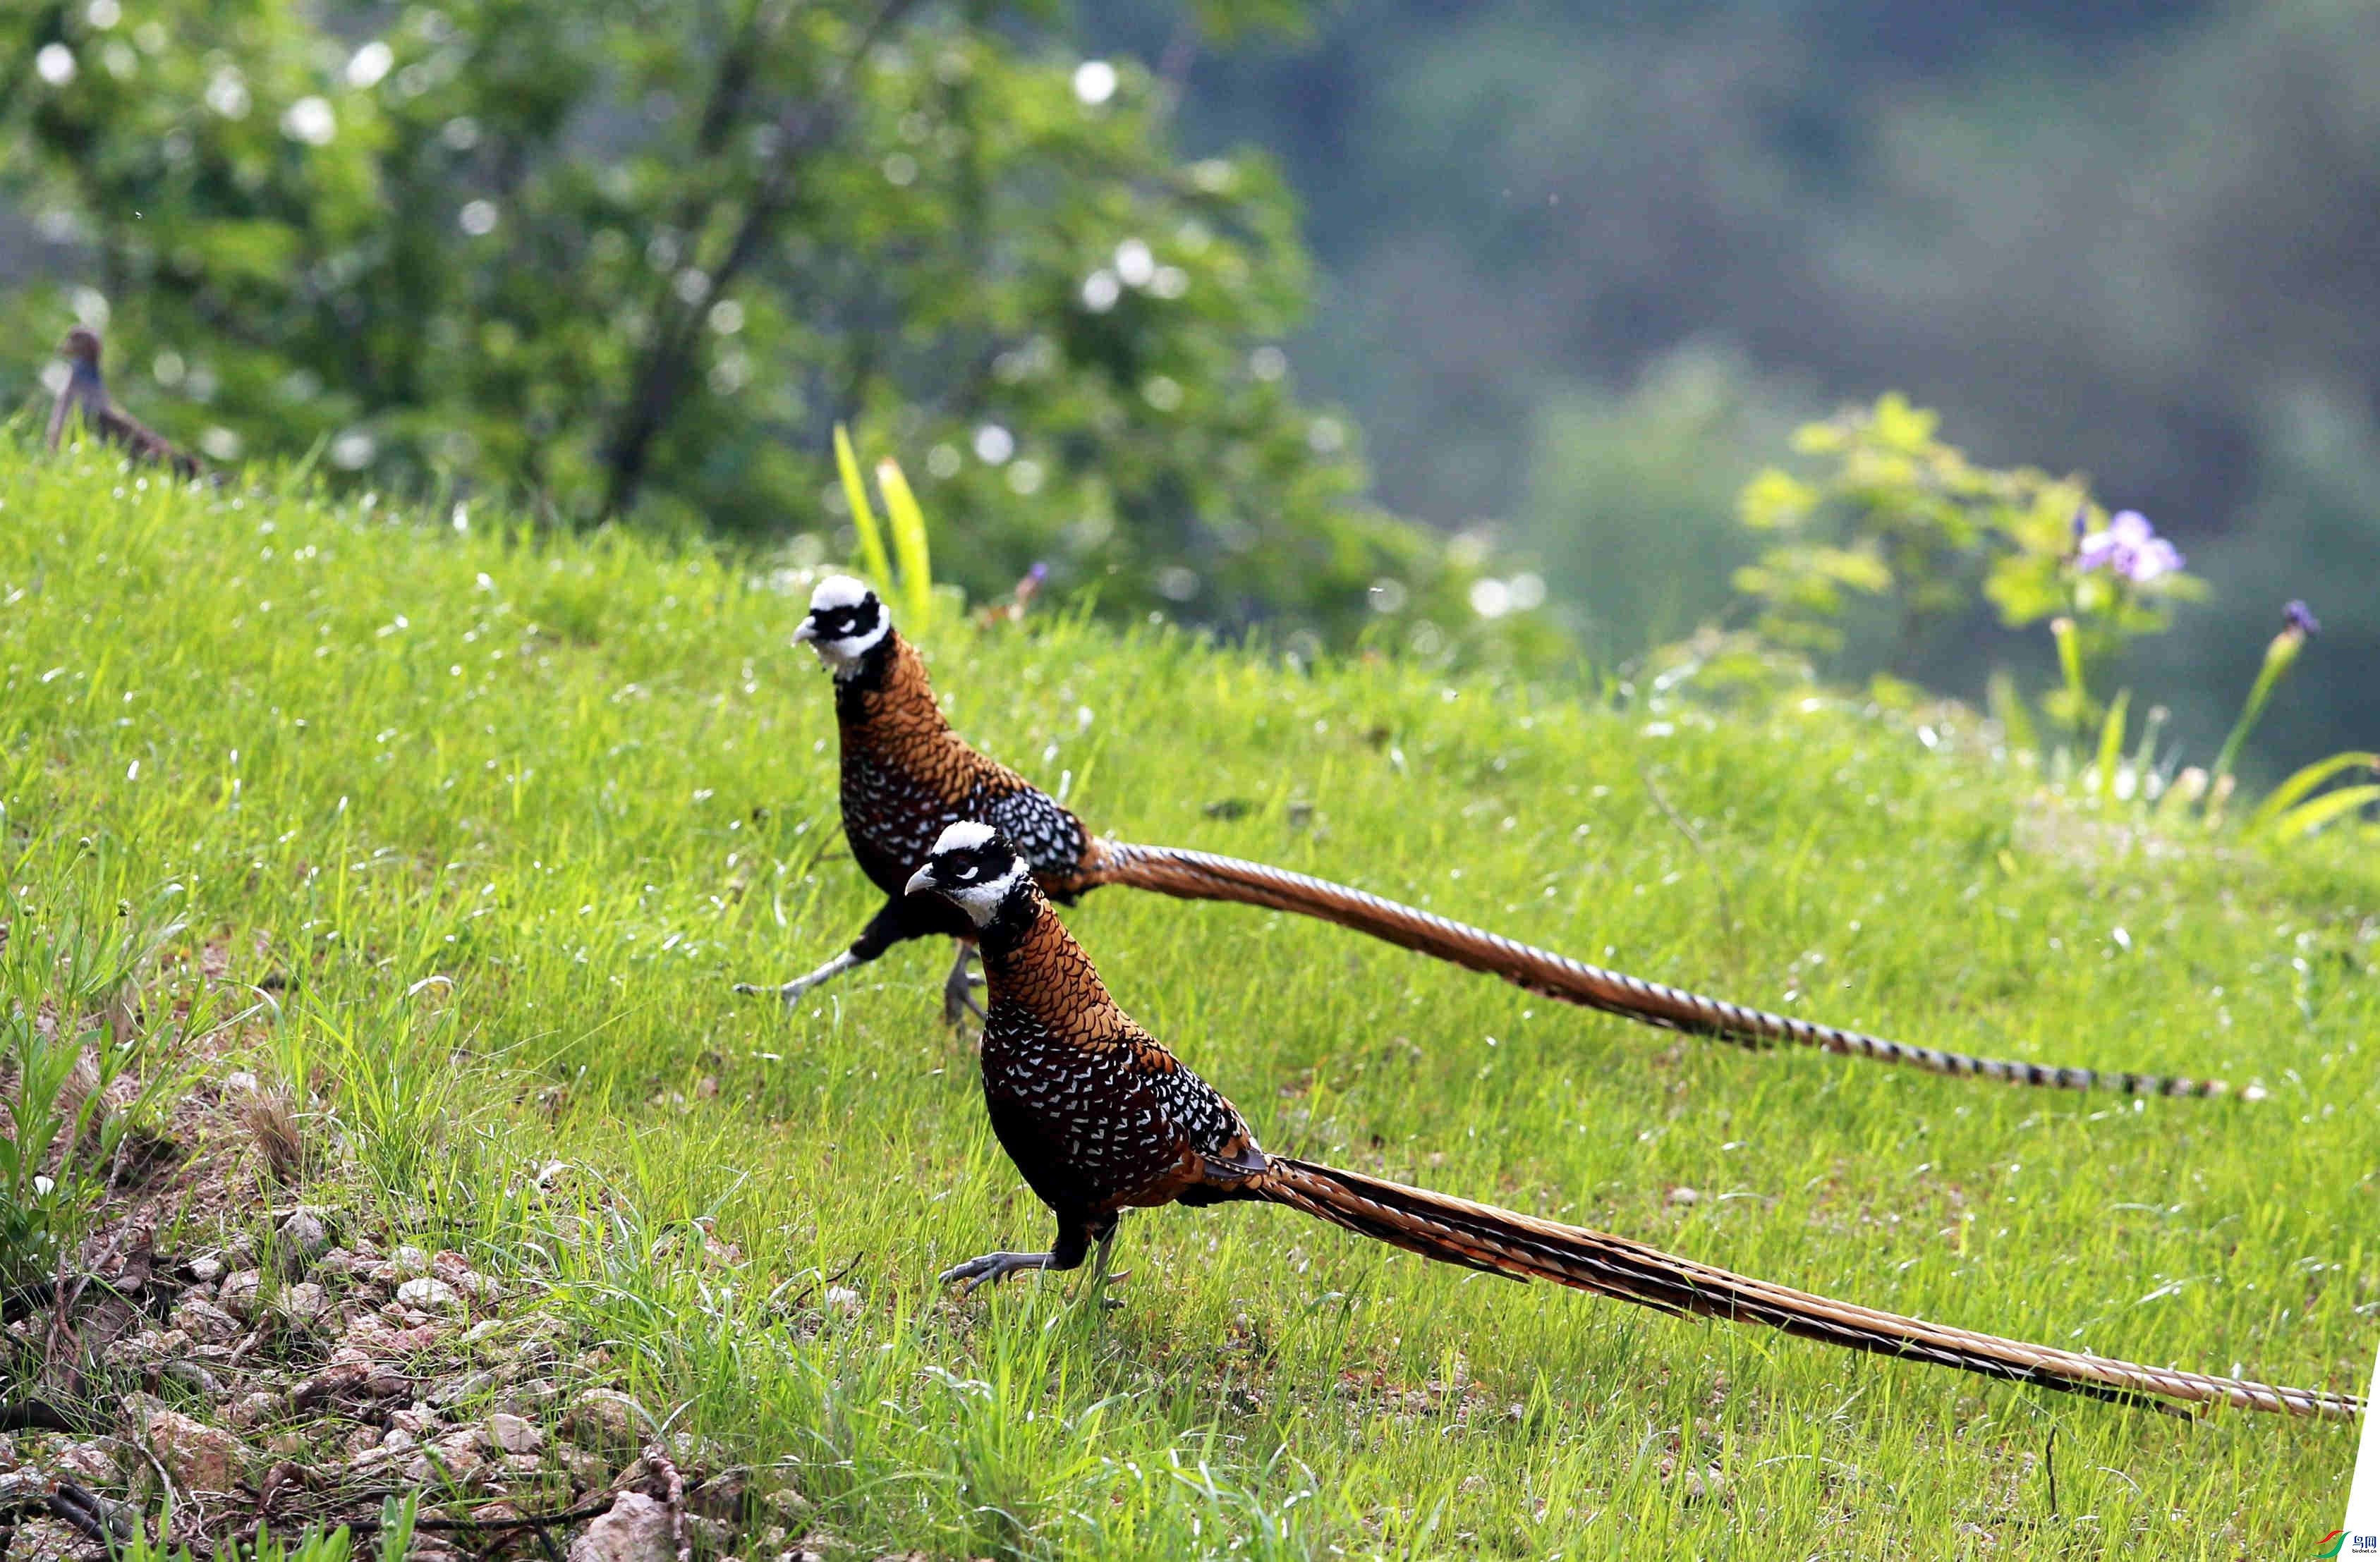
x,y
2305,781
863,519
2111,742
2307,818
909,547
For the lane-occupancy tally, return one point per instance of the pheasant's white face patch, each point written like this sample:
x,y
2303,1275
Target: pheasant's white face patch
x,y
981,902
964,835
837,592
846,621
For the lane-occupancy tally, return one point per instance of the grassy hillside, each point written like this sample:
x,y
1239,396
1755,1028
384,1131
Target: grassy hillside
x,y
495,822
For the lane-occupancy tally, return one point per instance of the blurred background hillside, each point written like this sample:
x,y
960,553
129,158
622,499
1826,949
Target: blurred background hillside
x,y
1203,304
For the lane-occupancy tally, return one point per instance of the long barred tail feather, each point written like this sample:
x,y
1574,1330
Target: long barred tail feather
x,y
1455,1231
1202,876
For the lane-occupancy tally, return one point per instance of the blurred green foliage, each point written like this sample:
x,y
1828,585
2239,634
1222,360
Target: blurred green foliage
x,y
635,259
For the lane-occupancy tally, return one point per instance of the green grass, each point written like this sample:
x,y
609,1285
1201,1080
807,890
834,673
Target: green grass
x,y
589,784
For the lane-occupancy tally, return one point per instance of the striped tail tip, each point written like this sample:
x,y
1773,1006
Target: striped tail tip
x,y
1202,876
1477,1236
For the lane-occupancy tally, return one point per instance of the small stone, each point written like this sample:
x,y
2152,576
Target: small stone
x,y
198,1457
205,1269
606,1419
7,1453
456,1463
239,1083
250,1408
521,1464
399,1438
98,1462
587,1471
469,1440
305,1302
454,1390
1705,1485
1684,1195
515,1434
336,1263
453,1268
429,1296
841,1298
635,1528
239,1295
288,1445
306,1233
205,1321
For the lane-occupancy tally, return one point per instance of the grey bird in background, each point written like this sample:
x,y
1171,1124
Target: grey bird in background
x,y
86,393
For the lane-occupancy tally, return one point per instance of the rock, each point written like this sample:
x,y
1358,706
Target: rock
x,y
404,1263
521,1464
529,1398
636,1529
447,1460
250,1408
205,1321
606,1420
1684,1195
98,1462
7,1453
454,1390
289,1445
841,1298
809,1548
515,1434
726,1498
1704,1485
305,1302
455,1271
417,1420
205,1269
239,1295
587,1471
306,1235
398,1437
429,1296
200,1458
337,1263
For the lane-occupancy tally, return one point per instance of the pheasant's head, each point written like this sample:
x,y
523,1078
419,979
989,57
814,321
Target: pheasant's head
x,y
974,869
82,345
845,623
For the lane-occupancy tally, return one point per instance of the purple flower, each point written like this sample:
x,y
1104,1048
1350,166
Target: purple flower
x,y
2300,617
2130,548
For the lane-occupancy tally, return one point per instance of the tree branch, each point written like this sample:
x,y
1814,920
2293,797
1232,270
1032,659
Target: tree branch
x,y
653,388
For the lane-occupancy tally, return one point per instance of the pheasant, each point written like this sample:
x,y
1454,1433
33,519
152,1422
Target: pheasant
x,y
906,776
86,394
1101,1118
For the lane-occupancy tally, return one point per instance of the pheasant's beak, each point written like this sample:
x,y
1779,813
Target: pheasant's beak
x,y
921,879
805,632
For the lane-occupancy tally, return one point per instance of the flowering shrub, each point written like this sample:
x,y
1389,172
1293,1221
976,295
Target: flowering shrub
x,y
1897,540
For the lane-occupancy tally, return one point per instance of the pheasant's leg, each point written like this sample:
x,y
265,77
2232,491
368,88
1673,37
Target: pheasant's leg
x,y
800,984
1067,1253
958,989
884,929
